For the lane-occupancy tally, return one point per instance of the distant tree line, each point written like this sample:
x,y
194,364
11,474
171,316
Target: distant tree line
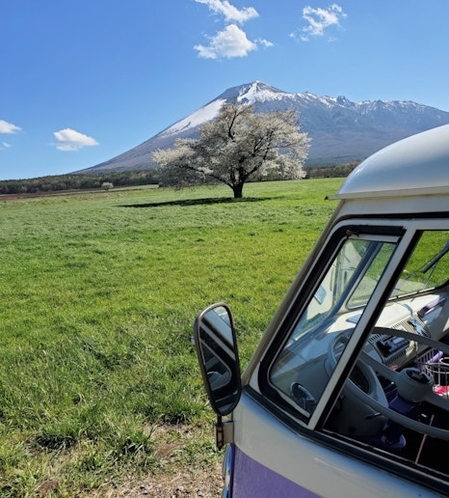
x,y
335,171
46,184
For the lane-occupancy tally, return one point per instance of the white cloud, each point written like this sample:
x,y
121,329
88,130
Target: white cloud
x,y
4,146
68,140
265,43
6,127
229,43
231,13
318,20
232,41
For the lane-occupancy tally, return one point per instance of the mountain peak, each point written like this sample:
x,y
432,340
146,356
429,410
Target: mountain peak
x,y
250,93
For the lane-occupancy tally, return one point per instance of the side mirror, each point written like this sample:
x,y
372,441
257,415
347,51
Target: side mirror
x,y
216,348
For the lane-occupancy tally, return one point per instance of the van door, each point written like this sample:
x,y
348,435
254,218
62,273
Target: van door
x,y
339,399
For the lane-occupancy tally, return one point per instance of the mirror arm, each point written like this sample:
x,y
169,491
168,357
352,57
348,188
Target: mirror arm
x,y
224,432
219,433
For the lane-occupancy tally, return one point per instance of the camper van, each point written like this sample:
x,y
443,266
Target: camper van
x,y
347,393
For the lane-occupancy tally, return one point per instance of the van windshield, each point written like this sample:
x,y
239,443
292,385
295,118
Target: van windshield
x,y
428,267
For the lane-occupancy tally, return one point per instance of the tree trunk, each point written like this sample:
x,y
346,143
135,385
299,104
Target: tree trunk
x,y
238,190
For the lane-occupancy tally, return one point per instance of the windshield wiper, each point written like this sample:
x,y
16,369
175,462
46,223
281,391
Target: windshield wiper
x,y
431,264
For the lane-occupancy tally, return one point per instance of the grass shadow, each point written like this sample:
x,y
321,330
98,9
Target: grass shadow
x,y
198,202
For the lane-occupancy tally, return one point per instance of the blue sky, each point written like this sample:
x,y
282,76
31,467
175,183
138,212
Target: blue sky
x,y
85,80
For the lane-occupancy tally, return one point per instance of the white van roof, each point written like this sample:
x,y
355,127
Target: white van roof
x,y
417,165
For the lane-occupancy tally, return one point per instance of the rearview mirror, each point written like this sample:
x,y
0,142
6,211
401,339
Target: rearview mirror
x,y
216,348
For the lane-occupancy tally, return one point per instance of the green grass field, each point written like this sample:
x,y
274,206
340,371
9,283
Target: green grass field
x,y
97,300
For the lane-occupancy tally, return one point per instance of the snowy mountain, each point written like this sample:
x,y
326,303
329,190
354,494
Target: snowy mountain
x,y
341,130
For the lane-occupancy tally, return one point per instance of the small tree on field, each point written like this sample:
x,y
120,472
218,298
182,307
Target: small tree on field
x,y
107,186
237,145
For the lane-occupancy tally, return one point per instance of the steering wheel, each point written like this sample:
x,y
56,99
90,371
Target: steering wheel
x,y
363,376
412,384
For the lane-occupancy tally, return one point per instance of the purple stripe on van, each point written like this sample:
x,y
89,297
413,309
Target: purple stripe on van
x,y
253,480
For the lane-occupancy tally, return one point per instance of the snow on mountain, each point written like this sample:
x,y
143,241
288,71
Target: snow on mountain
x,y
257,92
196,119
340,130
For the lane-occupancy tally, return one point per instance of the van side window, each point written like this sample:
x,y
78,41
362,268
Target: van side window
x,y
304,365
